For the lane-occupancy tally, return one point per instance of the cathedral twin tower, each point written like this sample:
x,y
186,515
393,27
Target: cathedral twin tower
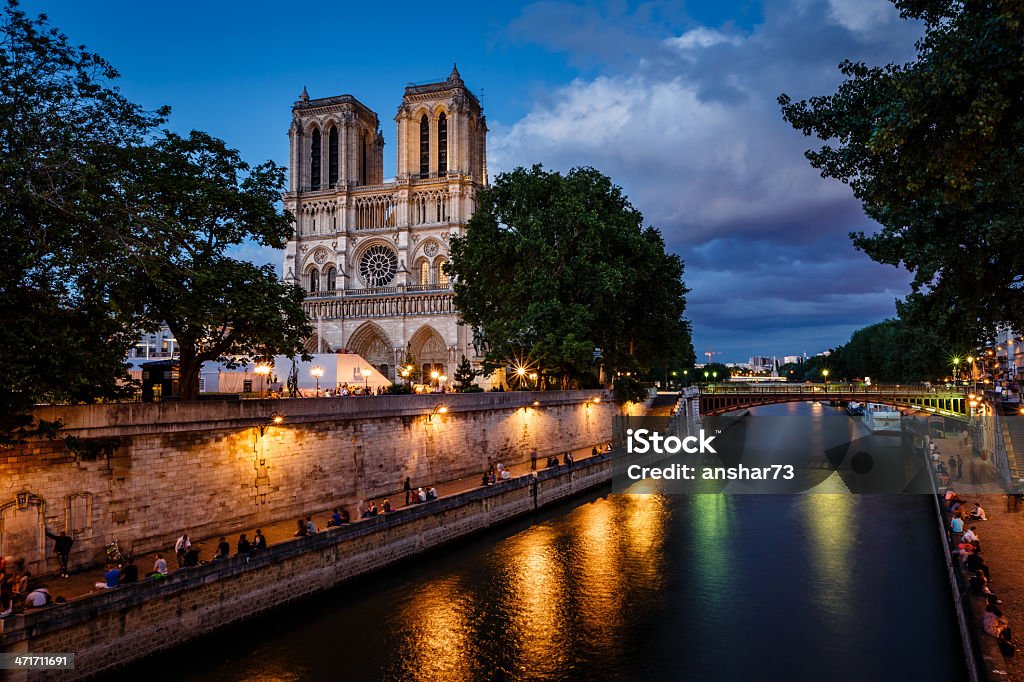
x,y
371,254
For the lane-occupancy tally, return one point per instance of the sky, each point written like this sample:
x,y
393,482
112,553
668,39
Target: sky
x,y
675,101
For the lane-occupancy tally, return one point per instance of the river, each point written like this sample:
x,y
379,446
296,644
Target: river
x,y
703,587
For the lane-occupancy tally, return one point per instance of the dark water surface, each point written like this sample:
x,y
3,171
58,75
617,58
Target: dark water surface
x,y
703,587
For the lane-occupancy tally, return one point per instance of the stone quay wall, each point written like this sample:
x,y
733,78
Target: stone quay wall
x,y
143,473
116,627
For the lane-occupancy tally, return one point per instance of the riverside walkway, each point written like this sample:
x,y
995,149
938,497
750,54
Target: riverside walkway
x,y
82,582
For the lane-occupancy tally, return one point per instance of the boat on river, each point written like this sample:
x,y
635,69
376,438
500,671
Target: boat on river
x,y
881,418
854,409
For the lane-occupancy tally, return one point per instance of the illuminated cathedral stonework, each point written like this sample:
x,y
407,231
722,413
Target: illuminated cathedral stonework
x,y
370,254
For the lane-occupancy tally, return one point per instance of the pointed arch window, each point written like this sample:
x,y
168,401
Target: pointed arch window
x,y
424,147
314,281
314,160
332,278
332,157
362,165
441,277
424,272
442,144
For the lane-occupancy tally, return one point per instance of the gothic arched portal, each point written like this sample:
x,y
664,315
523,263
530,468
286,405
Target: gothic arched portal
x,y
375,347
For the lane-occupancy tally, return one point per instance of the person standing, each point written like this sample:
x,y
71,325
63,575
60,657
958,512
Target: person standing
x,y
533,459
181,548
408,490
62,548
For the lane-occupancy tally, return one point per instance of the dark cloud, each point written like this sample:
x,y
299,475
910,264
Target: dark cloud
x,y
684,117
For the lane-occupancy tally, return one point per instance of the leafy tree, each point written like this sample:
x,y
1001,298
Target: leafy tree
x,y
553,266
65,133
716,371
934,149
410,365
464,375
196,198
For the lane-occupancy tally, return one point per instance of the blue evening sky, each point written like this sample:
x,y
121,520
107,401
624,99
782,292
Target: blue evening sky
x,y
674,100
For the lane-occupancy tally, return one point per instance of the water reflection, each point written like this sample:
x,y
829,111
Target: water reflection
x,y
653,587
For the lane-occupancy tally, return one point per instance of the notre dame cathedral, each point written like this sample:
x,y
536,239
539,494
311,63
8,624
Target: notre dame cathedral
x,y
368,253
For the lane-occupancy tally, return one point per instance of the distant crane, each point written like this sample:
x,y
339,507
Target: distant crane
x,y
710,353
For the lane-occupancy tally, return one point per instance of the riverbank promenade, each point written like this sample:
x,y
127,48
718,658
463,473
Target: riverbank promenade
x,y
82,582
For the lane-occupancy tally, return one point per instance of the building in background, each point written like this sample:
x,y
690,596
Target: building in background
x,y
371,254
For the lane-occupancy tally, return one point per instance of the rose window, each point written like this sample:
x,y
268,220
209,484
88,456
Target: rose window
x,y
378,266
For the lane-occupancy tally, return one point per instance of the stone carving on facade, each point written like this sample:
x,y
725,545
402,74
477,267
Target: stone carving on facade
x,y
320,256
431,248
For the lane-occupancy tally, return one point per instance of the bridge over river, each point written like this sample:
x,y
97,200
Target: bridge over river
x,y
948,401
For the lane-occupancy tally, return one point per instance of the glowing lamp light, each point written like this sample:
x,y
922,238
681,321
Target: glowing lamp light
x,y
597,399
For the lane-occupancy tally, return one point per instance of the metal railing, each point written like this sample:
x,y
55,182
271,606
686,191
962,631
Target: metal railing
x,y
826,389
378,291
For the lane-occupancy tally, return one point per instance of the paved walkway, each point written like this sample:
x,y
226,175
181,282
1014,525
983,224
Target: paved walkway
x,y
82,583
1000,537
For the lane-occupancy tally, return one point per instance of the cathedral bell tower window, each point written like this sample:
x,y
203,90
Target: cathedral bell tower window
x,y
332,158
314,160
424,147
442,144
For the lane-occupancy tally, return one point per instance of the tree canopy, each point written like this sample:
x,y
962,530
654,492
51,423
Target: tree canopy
x,y
111,227
555,266
934,149
193,197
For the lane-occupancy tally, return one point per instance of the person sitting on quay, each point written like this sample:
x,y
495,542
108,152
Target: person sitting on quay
x,y
129,573
421,495
979,585
977,513
569,459
111,579
303,529
955,504
62,548
387,506
310,526
432,493
976,563
38,598
970,535
492,477
159,567
258,541
19,583
505,474
485,480
244,547
994,623
192,557
593,453
6,604
956,524
181,547
335,518
223,549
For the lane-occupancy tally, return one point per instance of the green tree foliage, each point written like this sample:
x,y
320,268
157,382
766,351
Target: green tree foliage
x,y
194,199
934,149
553,266
64,135
464,376
716,371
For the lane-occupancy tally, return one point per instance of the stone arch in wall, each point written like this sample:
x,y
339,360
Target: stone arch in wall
x,y
373,344
429,348
314,344
22,530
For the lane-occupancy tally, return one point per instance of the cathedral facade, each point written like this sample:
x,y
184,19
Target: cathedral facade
x,y
370,254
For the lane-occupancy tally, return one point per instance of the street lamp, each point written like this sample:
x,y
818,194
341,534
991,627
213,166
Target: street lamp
x,y
317,371
434,376
263,369
440,408
824,373
366,379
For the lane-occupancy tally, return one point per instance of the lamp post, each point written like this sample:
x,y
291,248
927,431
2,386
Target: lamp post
x,y
366,380
434,376
317,371
263,369
441,379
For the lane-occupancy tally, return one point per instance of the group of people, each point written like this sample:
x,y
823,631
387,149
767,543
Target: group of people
x,y
346,390
495,473
950,469
15,593
967,547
